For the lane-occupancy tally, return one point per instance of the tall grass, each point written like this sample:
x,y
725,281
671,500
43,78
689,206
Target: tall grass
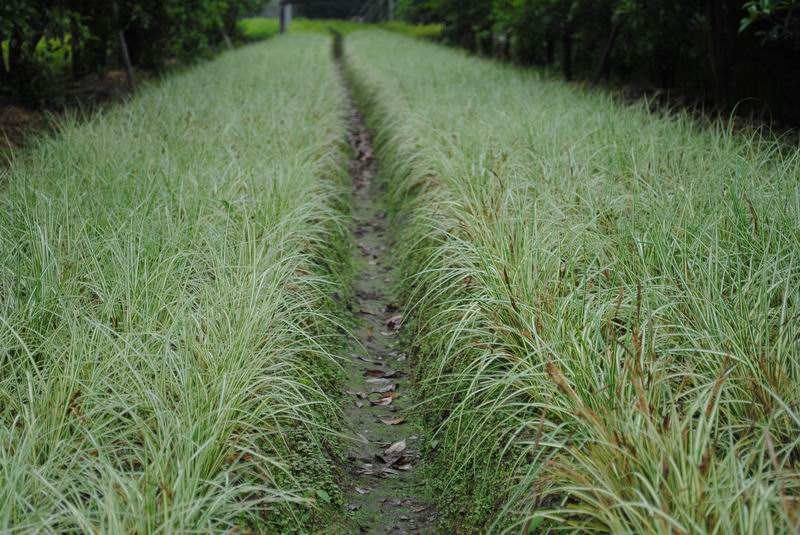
x,y
606,300
166,319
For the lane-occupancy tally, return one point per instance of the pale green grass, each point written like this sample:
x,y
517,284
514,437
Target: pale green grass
x,y
607,302
166,320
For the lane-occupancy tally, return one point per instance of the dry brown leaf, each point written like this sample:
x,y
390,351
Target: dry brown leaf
x,y
386,471
378,380
393,421
394,322
396,448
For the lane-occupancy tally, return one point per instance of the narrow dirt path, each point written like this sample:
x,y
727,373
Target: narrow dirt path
x,y
385,492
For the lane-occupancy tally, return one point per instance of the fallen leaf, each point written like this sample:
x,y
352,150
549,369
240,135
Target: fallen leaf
x,y
386,471
366,469
400,460
393,421
397,447
362,490
361,395
386,374
391,394
378,380
382,402
394,322
368,361
404,467
382,389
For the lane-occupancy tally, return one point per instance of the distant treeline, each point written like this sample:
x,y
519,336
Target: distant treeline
x,y
45,40
726,52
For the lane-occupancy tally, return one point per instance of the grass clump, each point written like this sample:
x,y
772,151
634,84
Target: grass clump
x,y
167,320
606,300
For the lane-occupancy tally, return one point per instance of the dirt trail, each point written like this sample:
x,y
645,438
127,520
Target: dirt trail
x,y
385,492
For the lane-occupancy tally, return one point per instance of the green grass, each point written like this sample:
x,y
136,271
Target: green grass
x,y
257,28
167,325
606,301
420,31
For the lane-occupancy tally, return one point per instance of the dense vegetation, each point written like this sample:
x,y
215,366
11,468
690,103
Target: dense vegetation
x,y
606,301
86,36
723,51
602,302
167,321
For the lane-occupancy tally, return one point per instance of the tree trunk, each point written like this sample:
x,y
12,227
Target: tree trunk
x,y
566,60
225,37
667,66
15,53
126,58
123,46
549,51
75,48
604,68
13,49
718,50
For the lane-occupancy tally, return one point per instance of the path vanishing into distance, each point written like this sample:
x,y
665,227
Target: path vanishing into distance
x,y
385,493
397,289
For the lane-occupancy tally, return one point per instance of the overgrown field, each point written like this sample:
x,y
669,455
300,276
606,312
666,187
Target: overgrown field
x,y
607,302
167,321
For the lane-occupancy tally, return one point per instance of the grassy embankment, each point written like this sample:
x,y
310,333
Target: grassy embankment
x,y
607,301
167,324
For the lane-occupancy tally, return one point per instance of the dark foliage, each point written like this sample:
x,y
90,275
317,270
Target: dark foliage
x,y
332,9
52,39
726,52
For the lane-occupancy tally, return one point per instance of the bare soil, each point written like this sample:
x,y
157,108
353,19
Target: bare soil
x,y
386,491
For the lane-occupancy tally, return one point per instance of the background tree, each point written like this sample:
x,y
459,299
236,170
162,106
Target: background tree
x,y
87,36
727,52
